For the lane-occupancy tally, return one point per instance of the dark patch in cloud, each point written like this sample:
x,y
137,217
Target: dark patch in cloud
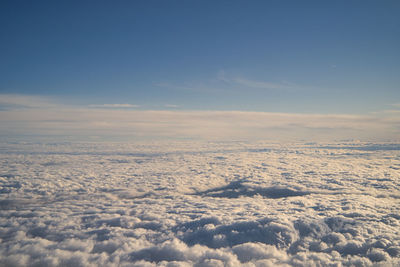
x,y
209,232
237,189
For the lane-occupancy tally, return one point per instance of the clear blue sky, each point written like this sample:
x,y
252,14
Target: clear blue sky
x,y
274,56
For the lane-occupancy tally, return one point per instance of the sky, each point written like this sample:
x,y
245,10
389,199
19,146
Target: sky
x,y
178,58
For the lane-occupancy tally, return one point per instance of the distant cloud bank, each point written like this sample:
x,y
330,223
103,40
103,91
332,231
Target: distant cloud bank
x,y
23,115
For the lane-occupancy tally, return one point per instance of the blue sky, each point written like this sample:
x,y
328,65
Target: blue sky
x,y
302,57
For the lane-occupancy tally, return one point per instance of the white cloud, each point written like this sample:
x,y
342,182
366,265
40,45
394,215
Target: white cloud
x,y
185,203
197,124
60,120
261,84
171,106
114,106
248,83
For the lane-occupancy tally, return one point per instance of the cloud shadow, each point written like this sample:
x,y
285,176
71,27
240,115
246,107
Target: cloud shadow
x,y
237,189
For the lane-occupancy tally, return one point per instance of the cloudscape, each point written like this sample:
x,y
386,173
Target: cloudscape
x,y
209,133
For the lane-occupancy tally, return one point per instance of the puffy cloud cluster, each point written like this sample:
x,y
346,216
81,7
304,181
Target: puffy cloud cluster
x,y
199,204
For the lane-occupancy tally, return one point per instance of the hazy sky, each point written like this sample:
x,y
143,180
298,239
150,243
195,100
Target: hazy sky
x,y
308,57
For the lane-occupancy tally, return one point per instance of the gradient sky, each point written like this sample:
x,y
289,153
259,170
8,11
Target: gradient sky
x,y
309,57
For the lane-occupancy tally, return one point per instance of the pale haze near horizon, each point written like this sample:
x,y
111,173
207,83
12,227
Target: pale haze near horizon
x,y
225,70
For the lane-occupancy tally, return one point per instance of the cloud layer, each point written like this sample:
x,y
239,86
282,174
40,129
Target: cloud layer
x,y
199,204
115,121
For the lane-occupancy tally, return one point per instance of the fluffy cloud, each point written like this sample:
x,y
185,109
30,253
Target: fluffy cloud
x,y
199,204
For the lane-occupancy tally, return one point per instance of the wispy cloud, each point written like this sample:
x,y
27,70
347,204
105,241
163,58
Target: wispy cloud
x,y
115,106
397,105
256,84
227,83
190,87
394,110
222,125
260,84
12,101
171,106
388,111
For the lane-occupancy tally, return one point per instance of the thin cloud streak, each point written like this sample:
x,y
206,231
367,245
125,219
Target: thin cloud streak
x,y
206,125
226,83
255,84
39,116
12,101
397,105
189,87
261,85
114,106
171,106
